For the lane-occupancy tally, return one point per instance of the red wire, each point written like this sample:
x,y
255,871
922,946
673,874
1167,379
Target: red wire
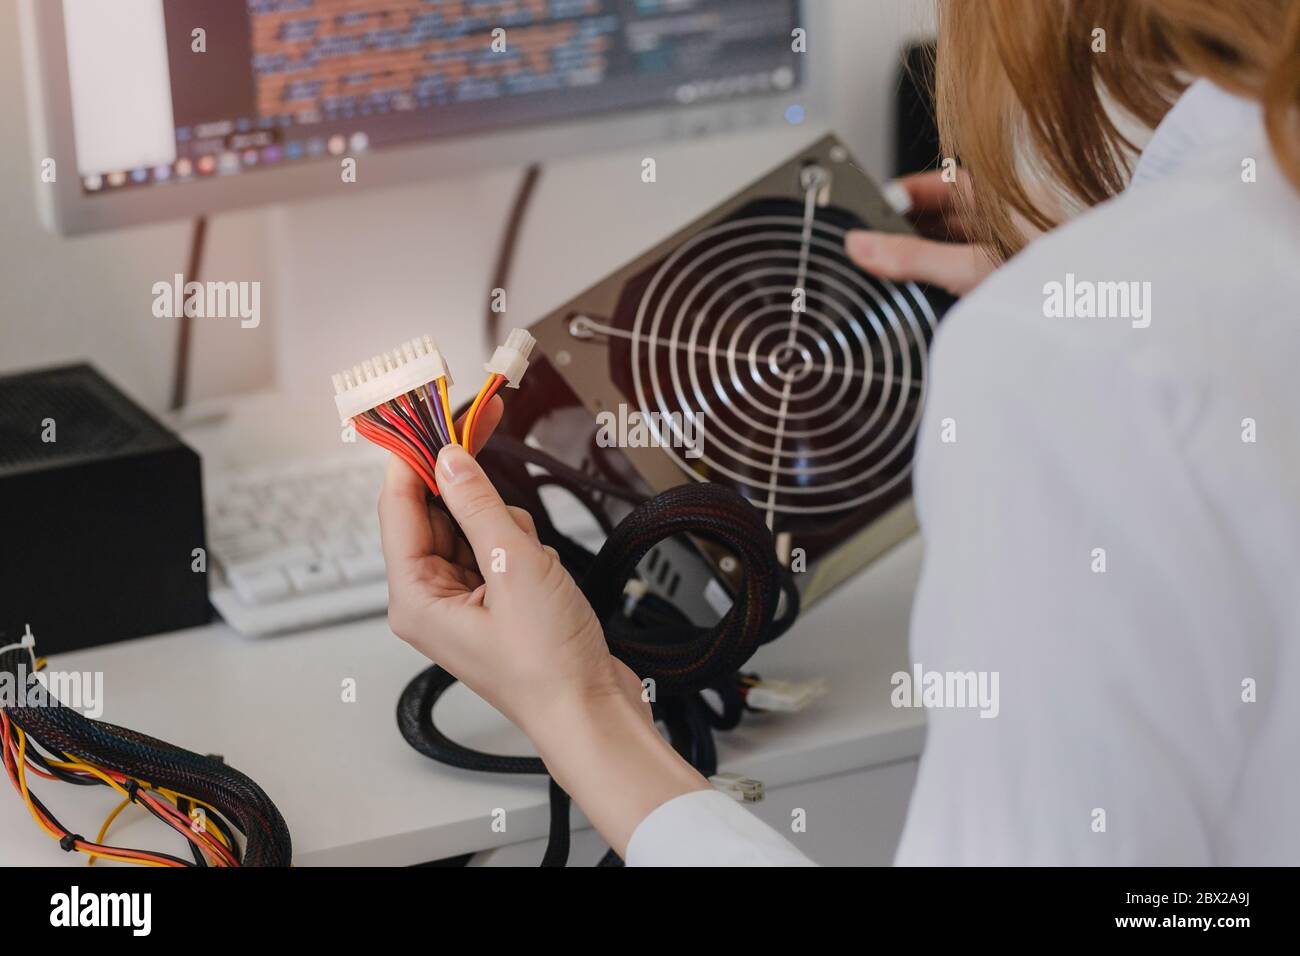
x,y
397,422
11,765
184,825
400,447
426,440
387,440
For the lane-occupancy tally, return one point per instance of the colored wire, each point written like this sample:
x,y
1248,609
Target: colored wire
x,y
448,419
391,442
162,779
485,394
417,424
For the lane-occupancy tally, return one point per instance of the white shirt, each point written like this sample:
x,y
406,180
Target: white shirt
x,y
1148,713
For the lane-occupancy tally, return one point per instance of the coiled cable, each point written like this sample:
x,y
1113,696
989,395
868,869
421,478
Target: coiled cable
x,y
657,641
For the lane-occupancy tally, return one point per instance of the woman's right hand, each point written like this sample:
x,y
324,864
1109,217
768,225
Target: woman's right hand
x,y
940,255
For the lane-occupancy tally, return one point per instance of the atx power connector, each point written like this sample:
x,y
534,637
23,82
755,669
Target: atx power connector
x,y
400,402
381,379
511,360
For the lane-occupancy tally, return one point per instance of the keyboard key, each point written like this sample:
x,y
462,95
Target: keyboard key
x,y
259,586
294,529
280,557
245,546
335,546
314,576
366,566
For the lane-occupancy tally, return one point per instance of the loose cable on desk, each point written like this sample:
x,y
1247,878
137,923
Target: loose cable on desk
x,y
43,739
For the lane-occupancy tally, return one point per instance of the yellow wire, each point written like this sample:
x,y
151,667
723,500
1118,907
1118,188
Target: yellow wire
x,y
22,785
31,808
472,414
77,764
103,831
446,410
175,796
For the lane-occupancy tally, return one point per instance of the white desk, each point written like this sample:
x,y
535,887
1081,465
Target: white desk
x,y
354,793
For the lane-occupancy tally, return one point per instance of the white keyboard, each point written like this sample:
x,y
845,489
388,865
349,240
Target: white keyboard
x,y
298,546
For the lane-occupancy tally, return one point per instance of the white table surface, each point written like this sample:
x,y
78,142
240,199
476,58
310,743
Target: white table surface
x,y
354,793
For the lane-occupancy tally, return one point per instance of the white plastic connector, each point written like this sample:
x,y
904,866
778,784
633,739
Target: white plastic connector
x,y
25,643
740,789
633,591
511,359
384,377
788,696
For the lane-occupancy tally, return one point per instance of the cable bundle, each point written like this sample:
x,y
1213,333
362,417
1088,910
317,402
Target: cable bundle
x,y
652,636
399,400
45,739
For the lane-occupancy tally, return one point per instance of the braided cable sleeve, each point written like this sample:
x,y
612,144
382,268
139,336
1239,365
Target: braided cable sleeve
x,y
233,794
415,721
660,642
700,656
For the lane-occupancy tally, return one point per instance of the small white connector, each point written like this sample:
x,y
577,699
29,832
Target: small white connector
x,y
511,359
633,591
788,696
741,789
384,377
25,643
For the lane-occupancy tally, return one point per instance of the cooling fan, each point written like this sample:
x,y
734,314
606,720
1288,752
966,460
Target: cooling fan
x,y
752,352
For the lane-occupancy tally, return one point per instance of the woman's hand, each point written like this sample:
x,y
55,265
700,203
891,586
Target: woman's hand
x,y
494,607
941,255
499,611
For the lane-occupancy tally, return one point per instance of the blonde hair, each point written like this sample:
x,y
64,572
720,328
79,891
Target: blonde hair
x,y
1020,88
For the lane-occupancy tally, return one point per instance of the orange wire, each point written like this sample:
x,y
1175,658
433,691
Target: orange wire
x,y
108,852
471,417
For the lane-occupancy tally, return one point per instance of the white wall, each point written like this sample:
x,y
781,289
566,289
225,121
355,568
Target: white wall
x,y
63,300
338,272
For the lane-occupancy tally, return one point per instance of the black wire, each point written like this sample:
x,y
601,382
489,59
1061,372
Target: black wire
x,y
506,251
658,640
557,847
36,757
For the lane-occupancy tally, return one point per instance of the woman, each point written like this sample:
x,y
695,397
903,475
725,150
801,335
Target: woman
x,y
1115,529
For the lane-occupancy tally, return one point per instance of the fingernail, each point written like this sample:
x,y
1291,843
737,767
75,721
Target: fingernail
x,y
455,464
860,244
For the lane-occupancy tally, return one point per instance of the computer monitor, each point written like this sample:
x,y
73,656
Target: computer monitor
x,y
160,109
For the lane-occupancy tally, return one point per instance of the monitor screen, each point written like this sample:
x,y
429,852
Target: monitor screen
x,y
175,91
